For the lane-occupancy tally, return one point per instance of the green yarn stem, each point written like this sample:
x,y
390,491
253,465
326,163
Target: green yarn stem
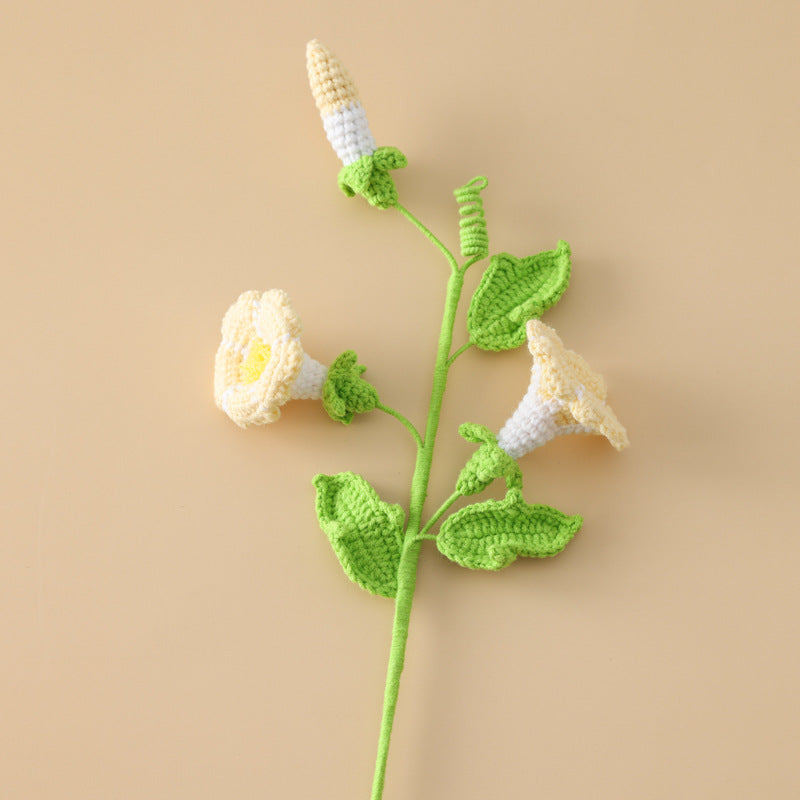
x,y
404,420
473,260
407,571
417,224
435,518
462,349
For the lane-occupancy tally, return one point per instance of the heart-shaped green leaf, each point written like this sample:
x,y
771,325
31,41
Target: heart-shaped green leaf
x,y
490,535
366,533
512,291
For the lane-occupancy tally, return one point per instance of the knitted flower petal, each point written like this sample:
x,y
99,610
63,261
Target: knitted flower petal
x,y
563,372
595,416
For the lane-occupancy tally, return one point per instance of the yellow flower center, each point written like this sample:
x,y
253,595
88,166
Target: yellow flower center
x,y
257,358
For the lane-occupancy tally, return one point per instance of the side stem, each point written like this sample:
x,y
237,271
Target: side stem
x,y
441,510
429,235
407,571
404,420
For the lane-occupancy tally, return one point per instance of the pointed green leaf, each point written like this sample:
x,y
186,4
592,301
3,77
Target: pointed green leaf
x,y
492,534
366,533
512,291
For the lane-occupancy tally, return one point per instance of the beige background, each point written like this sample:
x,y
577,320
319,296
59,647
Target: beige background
x,y
174,624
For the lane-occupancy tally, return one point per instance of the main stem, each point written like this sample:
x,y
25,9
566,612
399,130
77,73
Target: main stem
x,y
407,571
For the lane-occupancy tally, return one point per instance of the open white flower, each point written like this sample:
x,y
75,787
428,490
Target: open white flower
x,y
564,396
260,364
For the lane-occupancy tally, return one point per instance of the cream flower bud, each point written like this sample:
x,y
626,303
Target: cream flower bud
x,y
337,100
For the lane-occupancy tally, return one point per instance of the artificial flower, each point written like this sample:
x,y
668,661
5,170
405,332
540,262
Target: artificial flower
x,y
260,364
564,396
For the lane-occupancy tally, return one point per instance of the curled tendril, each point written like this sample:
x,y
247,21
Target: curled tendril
x,y
473,233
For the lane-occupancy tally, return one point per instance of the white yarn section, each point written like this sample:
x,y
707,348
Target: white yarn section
x,y
308,384
532,424
348,131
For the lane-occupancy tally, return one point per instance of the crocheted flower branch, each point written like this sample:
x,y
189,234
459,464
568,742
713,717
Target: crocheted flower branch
x,y
260,365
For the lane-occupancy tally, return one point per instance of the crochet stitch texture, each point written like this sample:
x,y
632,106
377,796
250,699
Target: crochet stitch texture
x,y
336,97
261,364
366,167
565,396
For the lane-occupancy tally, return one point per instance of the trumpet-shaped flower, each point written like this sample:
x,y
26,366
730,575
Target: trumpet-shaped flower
x,y
260,364
564,396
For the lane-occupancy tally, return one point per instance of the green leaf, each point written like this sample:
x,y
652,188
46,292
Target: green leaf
x,y
366,533
492,534
345,392
512,291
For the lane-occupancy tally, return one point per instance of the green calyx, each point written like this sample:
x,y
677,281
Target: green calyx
x,y
369,177
345,392
487,464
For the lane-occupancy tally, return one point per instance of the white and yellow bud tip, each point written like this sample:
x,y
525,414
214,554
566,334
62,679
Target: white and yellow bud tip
x,y
336,97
